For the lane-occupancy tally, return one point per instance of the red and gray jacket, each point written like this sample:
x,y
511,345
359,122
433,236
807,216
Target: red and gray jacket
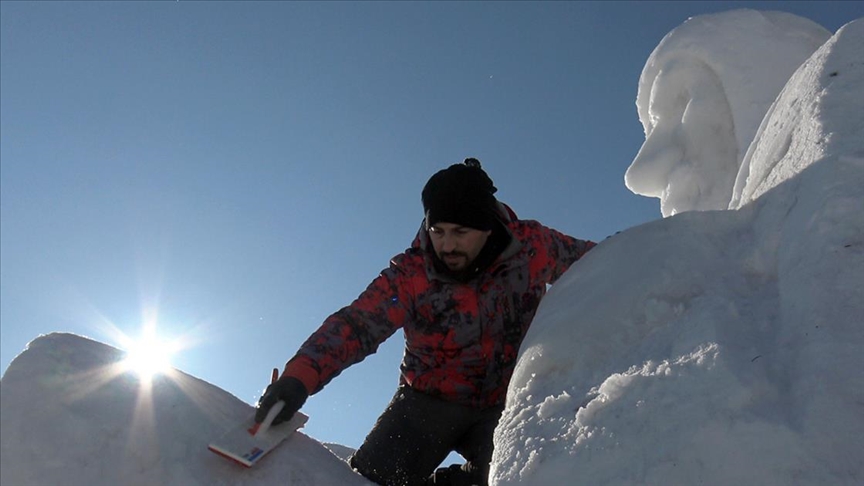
x,y
462,338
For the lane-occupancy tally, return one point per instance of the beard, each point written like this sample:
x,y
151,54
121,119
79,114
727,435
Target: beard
x,y
455,261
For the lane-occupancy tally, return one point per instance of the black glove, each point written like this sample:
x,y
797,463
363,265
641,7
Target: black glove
x,y
288,389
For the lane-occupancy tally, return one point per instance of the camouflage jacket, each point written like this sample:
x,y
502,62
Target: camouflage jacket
x,y
462,339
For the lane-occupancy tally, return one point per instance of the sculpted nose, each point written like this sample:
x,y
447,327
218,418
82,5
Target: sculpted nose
x,y
648,175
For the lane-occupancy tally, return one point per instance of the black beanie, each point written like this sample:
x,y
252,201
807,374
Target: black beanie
x,y
461,194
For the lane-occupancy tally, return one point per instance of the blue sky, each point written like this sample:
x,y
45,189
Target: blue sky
x,y
238,171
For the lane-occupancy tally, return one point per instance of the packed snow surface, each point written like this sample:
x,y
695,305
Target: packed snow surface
x,y
709,347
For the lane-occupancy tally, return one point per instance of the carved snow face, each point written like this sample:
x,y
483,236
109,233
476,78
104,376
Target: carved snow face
x,y
690,155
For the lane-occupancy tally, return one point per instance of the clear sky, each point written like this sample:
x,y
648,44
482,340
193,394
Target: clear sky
x,y
238,171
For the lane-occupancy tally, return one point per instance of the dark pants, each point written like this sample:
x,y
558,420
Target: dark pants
x,y
417,431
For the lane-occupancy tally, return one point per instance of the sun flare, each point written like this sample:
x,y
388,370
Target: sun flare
x,y
150,354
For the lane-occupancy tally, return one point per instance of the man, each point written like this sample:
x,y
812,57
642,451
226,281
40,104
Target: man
x,y
464,294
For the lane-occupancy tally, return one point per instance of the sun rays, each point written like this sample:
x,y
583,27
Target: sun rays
x,y
149,354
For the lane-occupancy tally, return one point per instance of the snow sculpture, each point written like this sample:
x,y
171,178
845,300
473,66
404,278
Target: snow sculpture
x,y
715,347
702,94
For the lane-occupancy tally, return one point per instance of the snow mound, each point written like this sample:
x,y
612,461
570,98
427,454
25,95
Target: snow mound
x,y
71,416
795,132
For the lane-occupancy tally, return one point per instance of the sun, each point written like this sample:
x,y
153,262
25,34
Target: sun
x,y
149,354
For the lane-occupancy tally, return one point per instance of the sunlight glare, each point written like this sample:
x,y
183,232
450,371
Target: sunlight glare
x,y
150,354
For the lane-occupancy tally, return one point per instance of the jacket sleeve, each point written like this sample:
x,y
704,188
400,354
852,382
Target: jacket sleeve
x,y
554,251
353,332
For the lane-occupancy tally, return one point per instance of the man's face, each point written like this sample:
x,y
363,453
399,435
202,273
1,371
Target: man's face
x,y
457,246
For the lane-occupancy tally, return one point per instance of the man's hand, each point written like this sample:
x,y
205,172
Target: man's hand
x,y
288,389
